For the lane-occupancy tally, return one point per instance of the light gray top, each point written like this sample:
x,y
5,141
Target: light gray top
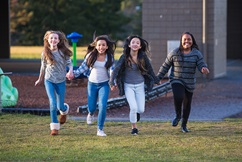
x,y
56,72
133,75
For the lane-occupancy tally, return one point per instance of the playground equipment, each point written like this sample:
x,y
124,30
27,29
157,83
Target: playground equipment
x,y
74,39
9,94
157,91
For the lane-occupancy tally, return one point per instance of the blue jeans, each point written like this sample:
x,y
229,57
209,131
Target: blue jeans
x,y
56,94
135,95
100,92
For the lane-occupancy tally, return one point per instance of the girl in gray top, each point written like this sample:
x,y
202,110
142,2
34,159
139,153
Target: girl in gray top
x,y
183,62
133,74
54,59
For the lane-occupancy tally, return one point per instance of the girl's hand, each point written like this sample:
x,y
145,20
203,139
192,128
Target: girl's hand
x,y
205,70
70,75
37,82
113,88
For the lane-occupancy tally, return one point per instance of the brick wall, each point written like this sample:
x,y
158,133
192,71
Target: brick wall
x,y
164,20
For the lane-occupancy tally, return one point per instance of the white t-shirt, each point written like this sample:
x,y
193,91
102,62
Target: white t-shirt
x,y
99,73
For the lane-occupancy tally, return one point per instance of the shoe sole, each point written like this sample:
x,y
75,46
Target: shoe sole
x,y
101,135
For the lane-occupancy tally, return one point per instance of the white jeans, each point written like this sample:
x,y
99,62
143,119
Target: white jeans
x,y
135,95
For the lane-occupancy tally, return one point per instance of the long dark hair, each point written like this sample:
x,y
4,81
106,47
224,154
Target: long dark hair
x,y
194,44
144,50
93,53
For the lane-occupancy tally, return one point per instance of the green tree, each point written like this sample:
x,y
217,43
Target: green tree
x,y
133,10
30,19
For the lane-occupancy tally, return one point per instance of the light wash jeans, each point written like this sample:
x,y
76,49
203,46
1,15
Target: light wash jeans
x,y
135,95
56,94
100,92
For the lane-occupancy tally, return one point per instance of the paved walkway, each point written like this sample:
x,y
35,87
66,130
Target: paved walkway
x,y
213,100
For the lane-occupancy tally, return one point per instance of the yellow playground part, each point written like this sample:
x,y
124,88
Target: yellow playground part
x,y
9,94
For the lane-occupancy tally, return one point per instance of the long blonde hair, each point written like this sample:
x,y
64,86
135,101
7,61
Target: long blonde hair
x,y
63,45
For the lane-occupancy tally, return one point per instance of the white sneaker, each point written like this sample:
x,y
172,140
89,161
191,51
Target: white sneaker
x,y
101,133
90,119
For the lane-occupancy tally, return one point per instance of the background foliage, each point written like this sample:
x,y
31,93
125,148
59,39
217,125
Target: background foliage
x,y
30,19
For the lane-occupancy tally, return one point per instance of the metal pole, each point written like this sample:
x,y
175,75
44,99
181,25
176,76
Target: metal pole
x,y
204,33
74,53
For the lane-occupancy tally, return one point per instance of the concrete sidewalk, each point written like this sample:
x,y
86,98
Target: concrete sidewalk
x,y
213,100
219,98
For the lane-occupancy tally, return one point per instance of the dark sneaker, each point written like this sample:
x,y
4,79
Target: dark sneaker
x,y
184,130
134,131
138,117
175,122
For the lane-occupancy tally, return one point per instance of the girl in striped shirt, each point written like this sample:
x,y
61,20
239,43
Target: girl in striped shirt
x,y
183,62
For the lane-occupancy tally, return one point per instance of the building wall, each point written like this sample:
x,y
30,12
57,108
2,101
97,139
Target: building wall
x,y
4,32
216,37
234,29
165,20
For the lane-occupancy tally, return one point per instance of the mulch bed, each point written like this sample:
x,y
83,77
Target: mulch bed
x,y
35,97
31,96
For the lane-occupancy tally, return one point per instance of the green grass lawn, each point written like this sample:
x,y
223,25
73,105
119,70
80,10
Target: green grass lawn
x,y
25,137
34,52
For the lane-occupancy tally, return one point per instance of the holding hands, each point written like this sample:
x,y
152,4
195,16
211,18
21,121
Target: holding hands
x,y
113,87
70,75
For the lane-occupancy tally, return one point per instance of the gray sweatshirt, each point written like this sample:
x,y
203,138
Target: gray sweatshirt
x,y
183,67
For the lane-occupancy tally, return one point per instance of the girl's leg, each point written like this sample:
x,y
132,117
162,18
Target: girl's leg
x,y
140,97
102,103
60,96
130,96
178,95
186,109
50,90
92,90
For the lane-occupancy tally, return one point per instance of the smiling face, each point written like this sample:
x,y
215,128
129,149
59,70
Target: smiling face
x,y
101,46
53,40
187,42
135,44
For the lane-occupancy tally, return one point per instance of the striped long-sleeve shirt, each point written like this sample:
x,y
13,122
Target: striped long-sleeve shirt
x,y
183,67
55,73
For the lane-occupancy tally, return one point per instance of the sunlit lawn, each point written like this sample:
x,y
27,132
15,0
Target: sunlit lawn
x,y
26,138
34,52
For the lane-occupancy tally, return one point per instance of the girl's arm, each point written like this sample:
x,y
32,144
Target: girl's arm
x,y
42,70
70,74
82,68
150,69
116,70
40,79
165,66
202,66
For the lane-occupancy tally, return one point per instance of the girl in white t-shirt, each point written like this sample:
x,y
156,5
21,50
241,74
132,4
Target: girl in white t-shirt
x,y
97,67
